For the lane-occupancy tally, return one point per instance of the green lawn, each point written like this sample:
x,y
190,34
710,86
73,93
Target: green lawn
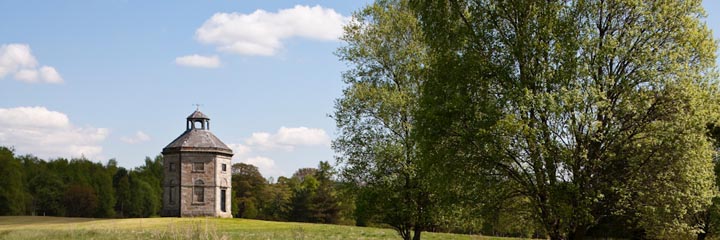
x,y
190,228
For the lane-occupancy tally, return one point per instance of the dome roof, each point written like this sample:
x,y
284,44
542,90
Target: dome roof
x,y
197,140
197,115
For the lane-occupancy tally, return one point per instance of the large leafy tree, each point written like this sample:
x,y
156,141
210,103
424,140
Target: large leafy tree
x,y
12,195
377,151
249,189
325,205
587,109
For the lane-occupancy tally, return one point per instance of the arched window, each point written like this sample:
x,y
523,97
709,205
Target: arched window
x,y
198,167
171,193
199,191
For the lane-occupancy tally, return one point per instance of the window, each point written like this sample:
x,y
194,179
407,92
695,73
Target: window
x,y
172,191
198,167
199,194
199,191
172,167
224,167
222,200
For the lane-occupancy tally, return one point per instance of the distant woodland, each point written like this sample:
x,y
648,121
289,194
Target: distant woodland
x,y
82,188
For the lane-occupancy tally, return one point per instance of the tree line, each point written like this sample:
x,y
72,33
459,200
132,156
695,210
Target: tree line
x,y
82,188
78,187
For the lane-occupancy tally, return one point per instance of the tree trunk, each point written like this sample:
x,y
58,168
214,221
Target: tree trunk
x,y
555,236
578,233
701,235
404,233
417,233
554,233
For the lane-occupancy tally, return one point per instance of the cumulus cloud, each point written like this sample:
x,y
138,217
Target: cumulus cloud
x,y
137,138
261,33
265,165
289,138
198,61
27,75
50,75
239,150
48,134
17,60
14,57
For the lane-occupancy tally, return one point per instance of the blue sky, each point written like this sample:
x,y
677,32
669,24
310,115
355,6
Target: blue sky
x,y
117,64
116,79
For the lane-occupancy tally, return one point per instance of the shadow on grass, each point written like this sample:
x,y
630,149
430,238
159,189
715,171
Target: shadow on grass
x,y
30,220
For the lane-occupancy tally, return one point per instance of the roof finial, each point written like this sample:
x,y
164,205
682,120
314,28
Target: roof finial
x,y
197,106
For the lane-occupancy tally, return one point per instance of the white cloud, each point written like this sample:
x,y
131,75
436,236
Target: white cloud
x,y
239,150
50,75
289,138
198,61
48,134
26,117
17,60
261,33
27,75
14,57
265,165
137,138
302,136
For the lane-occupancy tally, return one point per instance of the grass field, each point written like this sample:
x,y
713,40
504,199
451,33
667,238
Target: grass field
x,y
190,228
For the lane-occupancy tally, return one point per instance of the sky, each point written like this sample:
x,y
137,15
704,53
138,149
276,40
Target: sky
x,y
117,78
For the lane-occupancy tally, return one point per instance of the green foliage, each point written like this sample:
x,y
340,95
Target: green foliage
x,y
121,184
376,145
144,197
144,201
586,109
80,201
277,205
47,190
310,196
249,189
12,197
79,187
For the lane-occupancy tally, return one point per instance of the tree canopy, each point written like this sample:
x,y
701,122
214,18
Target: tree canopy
x,y
588,109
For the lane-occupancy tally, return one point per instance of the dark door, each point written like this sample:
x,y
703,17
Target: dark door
x,y
222,201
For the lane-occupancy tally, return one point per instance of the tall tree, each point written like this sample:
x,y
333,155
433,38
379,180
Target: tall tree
x,y
12,191
303,191
590,108
277,205
80,201
144,199
248,190
324,206
709,219
47,190
121,184
374,116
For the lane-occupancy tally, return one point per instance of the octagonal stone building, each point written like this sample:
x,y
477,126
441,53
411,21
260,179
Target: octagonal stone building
x,y
197,168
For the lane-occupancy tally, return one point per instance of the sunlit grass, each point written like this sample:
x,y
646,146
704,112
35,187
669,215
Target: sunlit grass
x,y
190,228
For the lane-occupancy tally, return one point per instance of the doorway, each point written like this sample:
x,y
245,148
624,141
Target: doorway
x,y
222,201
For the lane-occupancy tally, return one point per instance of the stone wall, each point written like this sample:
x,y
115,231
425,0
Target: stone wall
x,y
191,169
171,186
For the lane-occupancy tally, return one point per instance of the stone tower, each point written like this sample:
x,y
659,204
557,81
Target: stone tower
x,y
197,169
